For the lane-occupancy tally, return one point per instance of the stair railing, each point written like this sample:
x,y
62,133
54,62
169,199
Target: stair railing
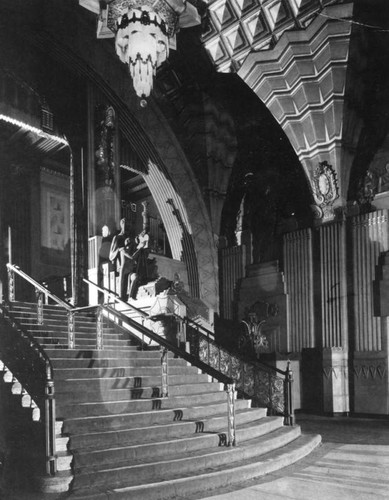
x,y
265,384
132,327
43,295
22,345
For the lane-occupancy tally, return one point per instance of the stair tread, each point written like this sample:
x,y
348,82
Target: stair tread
x,y
263,421
167,410
246,451
220,416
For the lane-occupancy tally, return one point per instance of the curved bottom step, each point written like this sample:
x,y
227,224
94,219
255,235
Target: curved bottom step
x,y
213,479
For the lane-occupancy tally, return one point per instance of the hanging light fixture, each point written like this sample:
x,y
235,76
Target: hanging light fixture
x,y
144,31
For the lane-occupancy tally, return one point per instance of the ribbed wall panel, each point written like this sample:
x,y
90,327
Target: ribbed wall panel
x,y
333,285
298,271
232,265
369,239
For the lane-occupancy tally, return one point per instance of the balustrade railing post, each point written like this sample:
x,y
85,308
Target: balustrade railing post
x,y
271,409
230,390
164,372
288,396
71,326
51,456
99,329
11,284
39,303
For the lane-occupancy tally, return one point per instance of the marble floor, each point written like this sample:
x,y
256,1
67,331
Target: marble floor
x,y
351,464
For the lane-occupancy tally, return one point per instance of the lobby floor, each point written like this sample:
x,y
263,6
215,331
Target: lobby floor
x,y
352,463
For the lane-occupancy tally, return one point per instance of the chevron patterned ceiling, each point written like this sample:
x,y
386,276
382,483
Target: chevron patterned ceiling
x,y
237,27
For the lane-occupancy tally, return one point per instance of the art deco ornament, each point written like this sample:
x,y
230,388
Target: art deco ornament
x,y
144,30
325,190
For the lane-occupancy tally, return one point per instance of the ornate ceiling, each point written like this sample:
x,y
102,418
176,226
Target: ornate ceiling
x,y
237,27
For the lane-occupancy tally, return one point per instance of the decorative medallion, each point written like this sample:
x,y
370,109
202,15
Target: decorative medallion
x,y
325,190
253,338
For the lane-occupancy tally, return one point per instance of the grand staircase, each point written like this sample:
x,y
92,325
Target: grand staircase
x,y
116,434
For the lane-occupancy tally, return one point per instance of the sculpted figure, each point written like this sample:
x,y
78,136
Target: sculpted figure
x,y
117,255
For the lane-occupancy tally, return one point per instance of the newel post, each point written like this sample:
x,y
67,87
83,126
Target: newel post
x,y
71,335
164,372
288,396
51,456
230,390
99,329
11,284
39,303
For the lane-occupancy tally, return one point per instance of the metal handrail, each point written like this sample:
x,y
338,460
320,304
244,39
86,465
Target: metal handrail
x,y
49,400
259,366
38,286
116,299
165,345
208,334
168,345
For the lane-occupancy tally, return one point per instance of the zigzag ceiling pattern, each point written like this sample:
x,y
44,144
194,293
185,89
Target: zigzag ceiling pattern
x,y
302,81
237,27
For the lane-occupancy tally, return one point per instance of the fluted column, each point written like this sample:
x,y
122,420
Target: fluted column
x,y
298,269
370,238
334,319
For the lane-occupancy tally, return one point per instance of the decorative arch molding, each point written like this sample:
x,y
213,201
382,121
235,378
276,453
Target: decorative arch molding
x,y
305,81
151,137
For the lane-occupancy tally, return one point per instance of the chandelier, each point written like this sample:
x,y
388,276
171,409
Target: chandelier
x,y
144,31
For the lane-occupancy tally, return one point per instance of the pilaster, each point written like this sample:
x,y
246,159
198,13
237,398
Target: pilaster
x,y
335,381
370,240
334,318
298,269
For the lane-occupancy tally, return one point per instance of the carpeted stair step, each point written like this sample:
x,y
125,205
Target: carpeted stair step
x,y
140,452
183,463
47,331
148,418
133,360
120,371
91,354
132,382
213,478
82,342
132,405
173,430
108,394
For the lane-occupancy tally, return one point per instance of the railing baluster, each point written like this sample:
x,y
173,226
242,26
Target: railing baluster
x,y
39,311
164,372
11,284
271,410
71,339
230,390
99,329
51,456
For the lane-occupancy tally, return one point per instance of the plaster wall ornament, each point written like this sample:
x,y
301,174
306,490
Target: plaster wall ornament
x,y
255,317
325,191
